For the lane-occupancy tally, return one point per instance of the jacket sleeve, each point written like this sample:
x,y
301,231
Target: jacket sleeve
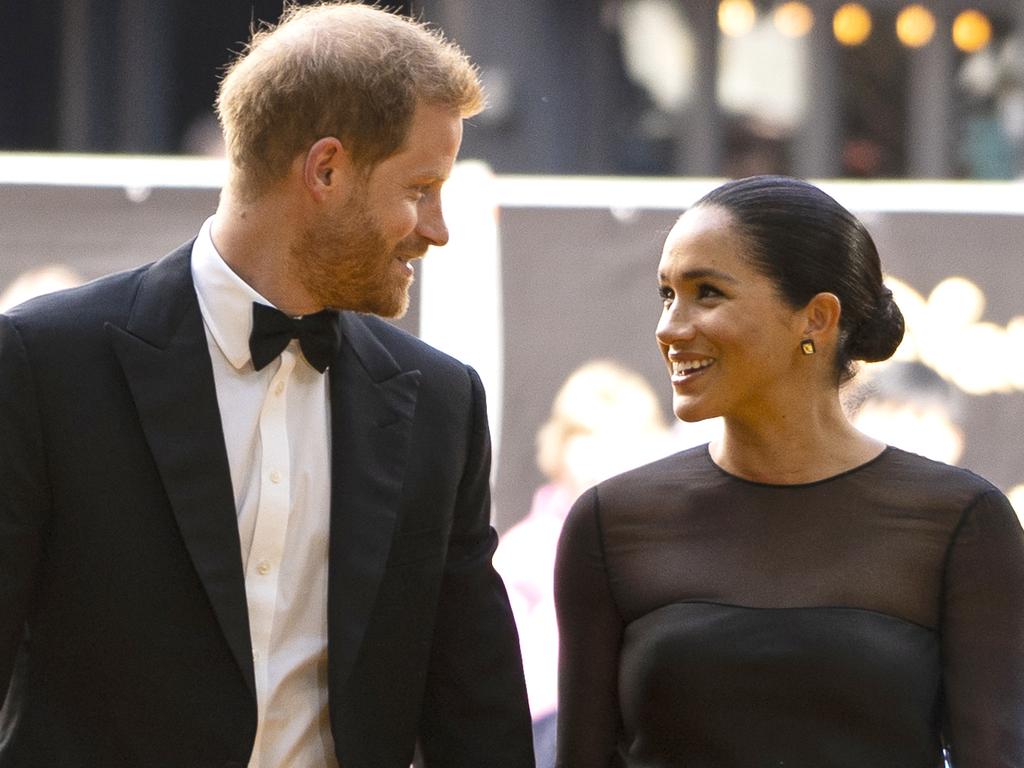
x,y
24,498
475,711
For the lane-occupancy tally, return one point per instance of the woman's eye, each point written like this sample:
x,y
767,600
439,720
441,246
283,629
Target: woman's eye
x,y
666,294
705,291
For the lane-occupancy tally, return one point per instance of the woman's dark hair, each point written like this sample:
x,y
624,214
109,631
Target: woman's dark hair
x,y
807,243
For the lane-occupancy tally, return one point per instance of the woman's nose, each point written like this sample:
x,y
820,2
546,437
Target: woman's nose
x,y
674,325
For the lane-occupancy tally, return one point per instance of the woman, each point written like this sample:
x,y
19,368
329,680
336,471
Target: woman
x,y
795,593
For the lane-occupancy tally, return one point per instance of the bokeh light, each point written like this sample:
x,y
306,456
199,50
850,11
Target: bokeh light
x,y
851,24
972,31
915,26
793,19
736,17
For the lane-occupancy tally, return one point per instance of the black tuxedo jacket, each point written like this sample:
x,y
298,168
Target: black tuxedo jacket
x,y
124,636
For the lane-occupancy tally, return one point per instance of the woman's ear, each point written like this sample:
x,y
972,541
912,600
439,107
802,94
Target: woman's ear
x,y
821,316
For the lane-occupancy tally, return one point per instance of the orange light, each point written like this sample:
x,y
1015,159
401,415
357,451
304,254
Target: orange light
x,y
972,31
793,19
851,24
915,26
736,17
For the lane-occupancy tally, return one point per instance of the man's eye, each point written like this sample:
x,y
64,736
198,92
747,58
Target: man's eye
x,y
705,291
666,294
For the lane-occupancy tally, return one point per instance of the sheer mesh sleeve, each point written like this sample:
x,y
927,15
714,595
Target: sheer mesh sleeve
x,y
590,632
983,637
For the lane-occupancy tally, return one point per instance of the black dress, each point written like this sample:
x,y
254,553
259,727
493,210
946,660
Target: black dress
x,y
865,620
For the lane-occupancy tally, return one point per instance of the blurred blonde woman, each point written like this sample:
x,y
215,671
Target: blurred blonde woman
x,y
605,419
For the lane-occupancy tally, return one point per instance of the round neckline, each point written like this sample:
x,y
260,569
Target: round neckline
x,y
845,473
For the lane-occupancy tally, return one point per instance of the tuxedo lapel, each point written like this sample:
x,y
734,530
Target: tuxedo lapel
x,y
372,407
165,357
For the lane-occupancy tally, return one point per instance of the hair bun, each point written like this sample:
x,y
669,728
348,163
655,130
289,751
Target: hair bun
x,y
878,336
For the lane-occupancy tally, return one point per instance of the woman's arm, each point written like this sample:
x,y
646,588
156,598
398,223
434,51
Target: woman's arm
x,y
590,635
983,637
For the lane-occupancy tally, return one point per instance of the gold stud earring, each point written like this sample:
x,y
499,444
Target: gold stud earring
x,y
807,346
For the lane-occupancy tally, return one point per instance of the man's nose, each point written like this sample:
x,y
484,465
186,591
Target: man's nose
x,y
431,225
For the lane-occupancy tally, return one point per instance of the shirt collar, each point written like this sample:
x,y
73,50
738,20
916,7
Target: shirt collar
x,y
225,299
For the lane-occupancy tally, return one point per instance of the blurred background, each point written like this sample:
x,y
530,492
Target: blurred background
x,y
819,88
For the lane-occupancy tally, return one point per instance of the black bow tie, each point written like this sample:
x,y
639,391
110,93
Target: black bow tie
x,y
318,335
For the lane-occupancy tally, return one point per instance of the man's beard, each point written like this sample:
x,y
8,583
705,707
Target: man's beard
x,y
344,262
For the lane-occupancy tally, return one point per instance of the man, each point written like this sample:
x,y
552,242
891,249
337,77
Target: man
x,y
224,548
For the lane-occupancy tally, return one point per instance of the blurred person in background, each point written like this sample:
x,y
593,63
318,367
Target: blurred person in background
x,y
36,282
243,520
909,405
796,592
1016,497
605,419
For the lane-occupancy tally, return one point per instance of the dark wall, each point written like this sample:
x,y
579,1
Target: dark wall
x,y
29,73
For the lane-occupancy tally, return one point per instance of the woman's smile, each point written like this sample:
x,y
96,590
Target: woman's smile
x,y
684,371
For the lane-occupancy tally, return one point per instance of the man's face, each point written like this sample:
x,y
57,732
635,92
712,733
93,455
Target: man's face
x,y
358,255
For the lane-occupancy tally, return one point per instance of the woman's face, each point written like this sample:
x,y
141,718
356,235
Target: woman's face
x,y
731,344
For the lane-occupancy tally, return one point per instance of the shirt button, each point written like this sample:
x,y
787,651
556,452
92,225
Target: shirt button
x,y
275,477
279,388
263,568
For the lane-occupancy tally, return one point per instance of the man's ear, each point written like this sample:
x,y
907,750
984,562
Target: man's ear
x,y
821,316
327,170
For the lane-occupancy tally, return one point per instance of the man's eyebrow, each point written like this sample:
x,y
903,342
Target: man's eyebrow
x,y
699,274
430,175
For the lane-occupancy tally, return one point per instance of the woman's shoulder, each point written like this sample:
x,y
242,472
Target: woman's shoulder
x,y
658,478
634,496
902,482
903,467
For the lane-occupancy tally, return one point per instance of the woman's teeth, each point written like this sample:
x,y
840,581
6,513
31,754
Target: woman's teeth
x,y
683,367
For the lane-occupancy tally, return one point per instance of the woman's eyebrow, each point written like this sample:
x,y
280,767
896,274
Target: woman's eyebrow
x,y
698,274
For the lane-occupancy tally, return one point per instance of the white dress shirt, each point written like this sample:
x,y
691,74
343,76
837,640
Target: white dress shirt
x,y
276,425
